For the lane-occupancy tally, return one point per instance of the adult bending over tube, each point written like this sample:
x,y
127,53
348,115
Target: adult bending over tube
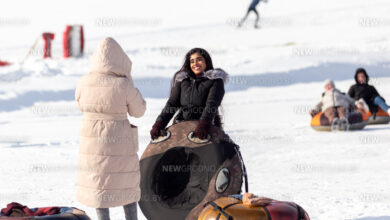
x,y
197,90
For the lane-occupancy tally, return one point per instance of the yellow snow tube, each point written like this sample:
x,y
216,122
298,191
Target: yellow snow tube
x,y
229,208
358,120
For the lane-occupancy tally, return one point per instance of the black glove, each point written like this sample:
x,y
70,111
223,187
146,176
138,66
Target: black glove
x,y
313,113
156,129
202,129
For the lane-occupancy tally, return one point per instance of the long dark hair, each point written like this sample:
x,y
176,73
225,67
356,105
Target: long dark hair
x,y
187,63
187,68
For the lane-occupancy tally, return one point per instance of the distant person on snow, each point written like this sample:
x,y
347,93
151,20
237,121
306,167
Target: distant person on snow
x,y
252,7
108,164
363,91
335,105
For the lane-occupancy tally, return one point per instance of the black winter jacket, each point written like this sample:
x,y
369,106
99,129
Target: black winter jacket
x,y
365,91
195,97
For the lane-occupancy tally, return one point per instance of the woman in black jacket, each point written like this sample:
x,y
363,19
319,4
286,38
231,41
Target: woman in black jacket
x,y
362,90
197,90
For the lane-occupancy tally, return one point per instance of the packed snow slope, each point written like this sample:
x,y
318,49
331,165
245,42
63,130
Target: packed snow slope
x,y
276,76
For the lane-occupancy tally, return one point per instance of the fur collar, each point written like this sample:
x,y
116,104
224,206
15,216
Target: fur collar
x,y
210,74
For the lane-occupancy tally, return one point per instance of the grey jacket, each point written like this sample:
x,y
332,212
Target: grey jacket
x,y
333,98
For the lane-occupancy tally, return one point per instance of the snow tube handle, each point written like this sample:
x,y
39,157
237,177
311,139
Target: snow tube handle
x,y
243,167
219,209
196,140
165,135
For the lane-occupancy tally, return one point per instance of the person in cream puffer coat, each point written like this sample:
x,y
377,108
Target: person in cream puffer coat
x,y
108,164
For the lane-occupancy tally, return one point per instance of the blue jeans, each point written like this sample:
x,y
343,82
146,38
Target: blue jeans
x,y
381,103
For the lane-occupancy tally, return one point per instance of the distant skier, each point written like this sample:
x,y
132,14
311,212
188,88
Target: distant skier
x,y
252,7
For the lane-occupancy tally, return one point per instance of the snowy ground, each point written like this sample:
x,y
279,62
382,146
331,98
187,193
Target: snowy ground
x,y
277,74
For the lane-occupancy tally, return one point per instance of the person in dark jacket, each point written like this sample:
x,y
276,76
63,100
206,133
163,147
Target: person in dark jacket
x,y
252,7
362,90
197,91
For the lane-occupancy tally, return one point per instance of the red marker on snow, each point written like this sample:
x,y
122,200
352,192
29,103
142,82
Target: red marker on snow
x,y
73,41
47,37
4,63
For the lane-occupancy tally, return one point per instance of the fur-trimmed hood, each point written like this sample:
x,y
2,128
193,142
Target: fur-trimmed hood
x,y
210,74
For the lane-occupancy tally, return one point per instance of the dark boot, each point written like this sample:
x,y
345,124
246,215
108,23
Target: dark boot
x,y
103,213
131,211
335,124
344,124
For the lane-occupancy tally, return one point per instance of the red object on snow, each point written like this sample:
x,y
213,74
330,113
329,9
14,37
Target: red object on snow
x,y
3,63
47,37
65,41
29,212
73,41
286,211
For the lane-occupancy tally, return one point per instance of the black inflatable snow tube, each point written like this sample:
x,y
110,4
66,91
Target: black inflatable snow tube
x,y
178,174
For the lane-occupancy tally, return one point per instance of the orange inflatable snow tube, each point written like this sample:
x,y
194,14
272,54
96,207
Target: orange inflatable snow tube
x,y
230,208
381,117
358,120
